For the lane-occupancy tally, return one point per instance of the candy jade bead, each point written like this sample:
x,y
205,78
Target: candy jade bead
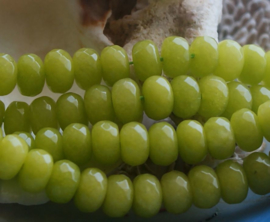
x,y
17,118
146,60
2,112
260,94
266,79
8,74
264,119
31,75
28,138
87,68
13,152
63,182
1,133
59,71
36,171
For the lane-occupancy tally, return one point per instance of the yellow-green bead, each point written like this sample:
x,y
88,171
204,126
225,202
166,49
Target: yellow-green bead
x,y
28,138
2,112
264,119
260,94
266,79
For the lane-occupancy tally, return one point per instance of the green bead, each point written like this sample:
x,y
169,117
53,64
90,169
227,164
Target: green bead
x,y
233,182
146,60
50,139
187,96
43,114
77,143
2,112
266,79
87,68
163,144
247,132
28,138
205,186
63,182
126,100
17,117
158,97
31,75
98,104
176,191
119,196
264,119
106,142
59,71
260,95
175,54
134,143
70,109
147,195
8,74
36,171
1,134
91,191
114,63
13,152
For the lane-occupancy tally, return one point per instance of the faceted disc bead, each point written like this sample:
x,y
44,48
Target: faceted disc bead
x,y
43,114
219,138
87,68
31,75
191,141
163,144
17,117
98,104
147,195
36,171
134,142
247,131
233,182
28,138
264,119
91,191
114,63
146,60
187,96
158,97
239,97
175,54
59,71
70,109
77,143
176,191
266,79
230,60
2,112
50,139
260,94
119,196
204,56
106,142
205,186
13,152
254,65
8,74
257,169
63,182
215,96
126,100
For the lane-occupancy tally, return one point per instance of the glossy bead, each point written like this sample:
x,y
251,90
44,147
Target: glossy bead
x,y
146,60
187,96
59,71
134,143
17,118
175,54
119,196
176,191
260,94
63,182
98,104
163,144
205,186
1,133
264,119
126,100
2,112
31,75
87,68
247,131
28,138
36,171
114,63
50,139
158,97
13,152
43,114
266,79
91,191
70,109
8,74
